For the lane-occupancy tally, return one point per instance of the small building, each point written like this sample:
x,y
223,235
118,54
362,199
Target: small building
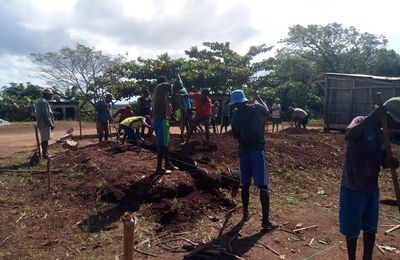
x,y
65,110
351,95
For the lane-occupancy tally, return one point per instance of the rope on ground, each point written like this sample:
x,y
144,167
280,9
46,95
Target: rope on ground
x,y
324,250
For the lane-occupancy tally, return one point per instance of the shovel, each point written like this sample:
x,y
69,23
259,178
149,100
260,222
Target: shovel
x,y
388,146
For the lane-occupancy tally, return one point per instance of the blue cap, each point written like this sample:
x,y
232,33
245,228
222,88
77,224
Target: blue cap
x,y
237,97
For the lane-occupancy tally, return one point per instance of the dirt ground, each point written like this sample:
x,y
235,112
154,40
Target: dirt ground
x,y
188,212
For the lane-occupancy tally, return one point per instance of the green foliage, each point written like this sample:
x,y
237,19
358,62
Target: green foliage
x,y
17,100
334,48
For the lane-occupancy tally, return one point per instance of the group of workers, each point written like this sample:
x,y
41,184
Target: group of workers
x,y
365,153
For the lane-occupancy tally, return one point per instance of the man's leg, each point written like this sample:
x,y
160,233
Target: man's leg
x,y
351,248
99,129
160,155
352,207
245,199
369,242
206,121
45,147
192,127
264,199
106,131
245,178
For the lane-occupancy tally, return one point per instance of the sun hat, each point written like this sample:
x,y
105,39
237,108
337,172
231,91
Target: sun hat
x,y
48,91
237,97
393,108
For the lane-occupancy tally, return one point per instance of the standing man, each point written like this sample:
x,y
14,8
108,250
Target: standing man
x,y
45,120
214,116
145,107
276,114
203,112
225,114
248,129
359,192
299,117
160,122
103,116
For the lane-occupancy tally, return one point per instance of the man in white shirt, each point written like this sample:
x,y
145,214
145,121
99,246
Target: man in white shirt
x,y
276,114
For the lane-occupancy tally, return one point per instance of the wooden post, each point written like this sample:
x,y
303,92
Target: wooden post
x,y
37,140
80,125
129,228
48,174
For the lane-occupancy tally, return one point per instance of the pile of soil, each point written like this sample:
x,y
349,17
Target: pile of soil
x,y
125,175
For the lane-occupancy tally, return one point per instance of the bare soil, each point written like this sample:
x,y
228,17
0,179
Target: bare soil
x,y
187,209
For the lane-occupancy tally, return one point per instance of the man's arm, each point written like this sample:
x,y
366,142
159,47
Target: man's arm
x,y
357,128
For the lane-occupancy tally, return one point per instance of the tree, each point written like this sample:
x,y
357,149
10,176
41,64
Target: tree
x,y
385,63
76,72
16,101
334,48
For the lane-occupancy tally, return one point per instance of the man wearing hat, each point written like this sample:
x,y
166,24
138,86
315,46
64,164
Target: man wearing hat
x,y
359,192
103,116
248,129
45,120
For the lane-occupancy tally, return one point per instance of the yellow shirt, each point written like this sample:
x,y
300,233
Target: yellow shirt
x,y
134,122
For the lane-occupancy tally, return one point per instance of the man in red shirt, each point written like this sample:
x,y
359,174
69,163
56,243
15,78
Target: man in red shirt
x,y
124,113
203,112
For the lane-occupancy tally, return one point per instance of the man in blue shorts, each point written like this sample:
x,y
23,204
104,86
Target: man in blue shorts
x,y
359,193
160,99
248,129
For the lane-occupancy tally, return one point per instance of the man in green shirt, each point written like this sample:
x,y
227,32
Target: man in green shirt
x,y
160,99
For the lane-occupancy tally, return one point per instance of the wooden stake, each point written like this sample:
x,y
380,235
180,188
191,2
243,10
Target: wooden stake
x,y
305,228
129,228
48,174
80,126
37,140
392,229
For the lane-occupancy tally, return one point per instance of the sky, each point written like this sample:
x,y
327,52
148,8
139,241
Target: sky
x,y
147,28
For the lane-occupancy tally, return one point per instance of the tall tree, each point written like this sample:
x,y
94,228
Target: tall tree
x,y
333,47
76,70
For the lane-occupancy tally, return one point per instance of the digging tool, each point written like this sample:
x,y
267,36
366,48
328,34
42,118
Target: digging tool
x,y
37,140
388,146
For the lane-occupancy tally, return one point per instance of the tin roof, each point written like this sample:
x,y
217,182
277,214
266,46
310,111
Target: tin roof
x,y
322,77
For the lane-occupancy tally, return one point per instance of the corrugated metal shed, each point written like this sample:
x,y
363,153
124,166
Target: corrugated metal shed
x,y
351,95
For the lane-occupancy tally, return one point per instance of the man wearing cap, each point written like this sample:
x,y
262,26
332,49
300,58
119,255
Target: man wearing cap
x,y
359,192
103,116
45,120
160,99
276,114
248,129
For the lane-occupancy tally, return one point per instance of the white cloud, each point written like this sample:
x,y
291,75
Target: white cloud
x,y
147,28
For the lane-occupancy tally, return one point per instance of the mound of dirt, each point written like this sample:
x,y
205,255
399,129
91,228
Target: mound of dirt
x,y
126,174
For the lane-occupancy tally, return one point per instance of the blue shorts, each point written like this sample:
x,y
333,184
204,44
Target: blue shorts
x,y
161,127
358,210
254,164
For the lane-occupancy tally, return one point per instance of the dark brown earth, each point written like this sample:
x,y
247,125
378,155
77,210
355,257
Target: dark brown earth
x,y
189,208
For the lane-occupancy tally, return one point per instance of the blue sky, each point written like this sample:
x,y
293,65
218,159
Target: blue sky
x,y
151,27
